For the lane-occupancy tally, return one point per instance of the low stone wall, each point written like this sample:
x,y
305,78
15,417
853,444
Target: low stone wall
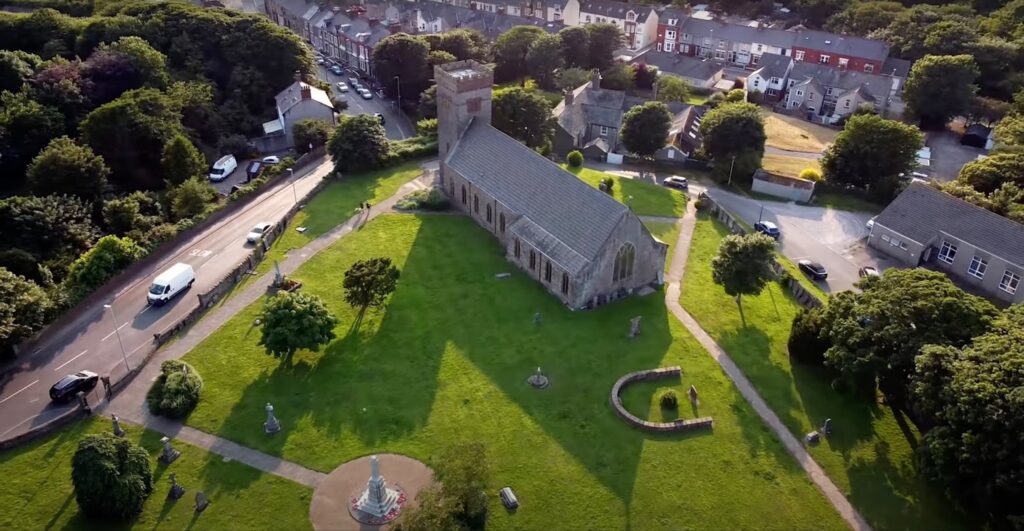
x,y
643,376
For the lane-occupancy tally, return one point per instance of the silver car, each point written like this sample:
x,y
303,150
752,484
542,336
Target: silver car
x,y
258,232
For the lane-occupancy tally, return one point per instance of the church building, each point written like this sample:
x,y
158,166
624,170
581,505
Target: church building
x,y
583,246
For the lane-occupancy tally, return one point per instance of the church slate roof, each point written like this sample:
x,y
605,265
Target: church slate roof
x,y
564,215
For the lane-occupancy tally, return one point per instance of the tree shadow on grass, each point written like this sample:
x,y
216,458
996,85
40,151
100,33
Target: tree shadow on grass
x,y
853,418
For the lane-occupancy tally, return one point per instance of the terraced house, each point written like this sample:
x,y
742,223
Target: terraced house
x,y
639,23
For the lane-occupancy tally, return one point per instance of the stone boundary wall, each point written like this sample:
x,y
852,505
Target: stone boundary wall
x,y
799,292
643,376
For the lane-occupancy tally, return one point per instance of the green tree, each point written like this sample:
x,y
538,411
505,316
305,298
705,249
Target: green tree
x,y
544,59
24,307
644,76
604,40
510,50
814,13
310,132
462,43
619,76
149,64
734,138
16,68
191,198
403,56
736,96
877,334
871,153
988,174
940,88
743,265
54,229
523,115
672,88
428,103
95,267
122,215
65,166
175,392
575,47
26,127
181,160
572,78
862,18
358,143
645,128
460,499
369,282
574,158
805,343
295,321
439,57
112,477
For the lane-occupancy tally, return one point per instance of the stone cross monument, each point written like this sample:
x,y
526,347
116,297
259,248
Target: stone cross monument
x,y
116,421
377,500
271,425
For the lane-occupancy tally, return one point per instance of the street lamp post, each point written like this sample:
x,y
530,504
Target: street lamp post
x,y
398,85
117,332
731,165
291,177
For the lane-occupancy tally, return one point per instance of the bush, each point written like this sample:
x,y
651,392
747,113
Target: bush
x,y
427,127
176,391
811,174
669,400
111,476
702,204
805,342
410,148
607,185
236,145
431,199
574,158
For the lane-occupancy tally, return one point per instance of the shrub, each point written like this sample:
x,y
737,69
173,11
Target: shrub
x,y
427,127
410,148
702,204
176,391
805,342
236,145
111,476
574,158
607,185
669,400
431,199
811,174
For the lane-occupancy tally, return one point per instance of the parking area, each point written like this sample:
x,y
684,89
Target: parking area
x,y
949,155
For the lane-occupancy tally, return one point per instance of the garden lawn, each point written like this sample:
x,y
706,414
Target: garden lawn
x,y
793,134
789,166
869,456
447,360
666,232
36,491
649,199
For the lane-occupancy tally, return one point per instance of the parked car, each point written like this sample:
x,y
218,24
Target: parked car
x,y
868,271
379,117
353,81
254,170
337,70
813,269
258,232
271,159
320,60
171,282
768,228
676,182
70,385
508,498
870,223
223,168
342,87
366,94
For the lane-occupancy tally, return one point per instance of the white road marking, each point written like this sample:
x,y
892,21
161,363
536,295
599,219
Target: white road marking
x,y
106,337
70,360
18,391
33,417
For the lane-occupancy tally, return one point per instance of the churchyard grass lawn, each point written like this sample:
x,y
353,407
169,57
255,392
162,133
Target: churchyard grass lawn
x,y
793,134
789,166
870,453
649,199
447,360
36,491
666,232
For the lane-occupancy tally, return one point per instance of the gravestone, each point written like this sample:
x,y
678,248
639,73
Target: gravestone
x,y
271,425
634,326
536,318
377,504
813,437
177,491
538,380
202,502
116,421
169,454
693,395
827,427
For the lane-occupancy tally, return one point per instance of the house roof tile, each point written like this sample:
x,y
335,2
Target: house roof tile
x,y
738,33
613,9
842,44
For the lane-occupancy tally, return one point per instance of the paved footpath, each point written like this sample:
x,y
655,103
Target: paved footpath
x,y
792,444
130,404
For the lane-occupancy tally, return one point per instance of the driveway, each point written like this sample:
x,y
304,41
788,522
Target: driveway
x,y
396,124
949,155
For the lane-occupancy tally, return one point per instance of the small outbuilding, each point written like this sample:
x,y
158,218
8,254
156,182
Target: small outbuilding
x,y
977,136
791,188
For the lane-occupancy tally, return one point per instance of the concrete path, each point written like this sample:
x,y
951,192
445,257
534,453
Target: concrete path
x,y
792,444
659,219
811,155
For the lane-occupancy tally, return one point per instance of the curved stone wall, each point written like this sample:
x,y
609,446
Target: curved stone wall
x,y
643,376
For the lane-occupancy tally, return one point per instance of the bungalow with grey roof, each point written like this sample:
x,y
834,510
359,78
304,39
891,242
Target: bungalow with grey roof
x,y
700,73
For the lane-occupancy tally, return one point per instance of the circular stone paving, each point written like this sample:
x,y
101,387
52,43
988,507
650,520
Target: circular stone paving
x,y
329,510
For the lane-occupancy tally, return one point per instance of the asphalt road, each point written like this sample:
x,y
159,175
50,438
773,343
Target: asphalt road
x,y
91,343
395,123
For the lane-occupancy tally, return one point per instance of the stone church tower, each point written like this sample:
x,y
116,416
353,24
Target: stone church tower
x,y
463,92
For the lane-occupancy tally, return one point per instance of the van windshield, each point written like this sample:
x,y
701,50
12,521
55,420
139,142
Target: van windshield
x,y
217,171
157,289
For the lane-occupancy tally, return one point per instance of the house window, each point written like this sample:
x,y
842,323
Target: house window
x,y
798,55
670,34
799,93
673,22
604,131
810,96
533,260
686,37
721,45
587,19
670,46
547,272
824,59
624,262
843,62
451,188
476,203
977,267
463,194
517,248
631,16
947,252
869,68
488,213
501,222
846,103
565,283
1009,282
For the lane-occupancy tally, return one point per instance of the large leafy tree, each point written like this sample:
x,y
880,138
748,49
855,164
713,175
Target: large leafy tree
x,y
358,143
65,166
973,395
460,500
134,213
619,76
107,258
129,63
645,128
191,197
572,78
672,88
23,309
862,18
404,57
743,265
877,334
575,46
463,43
814,13
26,127
181,160
53,229
940,88
544,59
295,321
310,132
523,115
510,50
988,174
870,153
604,40
112,477
734,138
16,68
369,282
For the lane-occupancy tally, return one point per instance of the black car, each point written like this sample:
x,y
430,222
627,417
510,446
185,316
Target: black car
x,y
70,385
768,228
379,117
813,269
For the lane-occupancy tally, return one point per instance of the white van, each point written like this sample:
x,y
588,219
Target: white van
x,y
171,282
222,168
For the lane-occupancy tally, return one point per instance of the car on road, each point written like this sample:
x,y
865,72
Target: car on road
x,y
868,271
366,94
676,182
258,232
320,60
171,282
380,117
768,228
271,159
70,385
337,70
342,87
812,269
353,82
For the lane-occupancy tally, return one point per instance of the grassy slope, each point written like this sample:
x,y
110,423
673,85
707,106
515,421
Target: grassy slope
x,y
648,199
794,134
666,232
36,490
870,455
789,166
447,359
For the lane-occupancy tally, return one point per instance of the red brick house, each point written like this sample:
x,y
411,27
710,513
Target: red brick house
x,y
840,51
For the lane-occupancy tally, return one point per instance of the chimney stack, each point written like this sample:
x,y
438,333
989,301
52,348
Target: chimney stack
x,y
570,94
595,79
305,92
